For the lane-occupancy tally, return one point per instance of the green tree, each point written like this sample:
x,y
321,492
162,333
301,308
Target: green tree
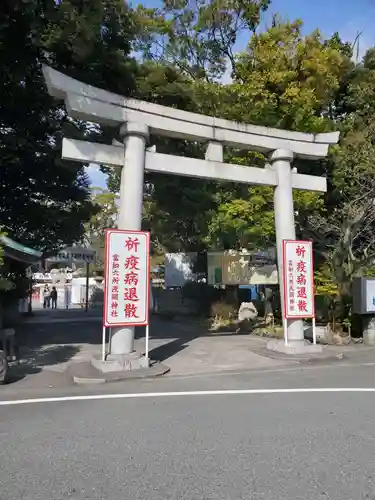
x,y
90,40
176,209
289,79
197,36
105,217
344,233
44,200
191,42
284,80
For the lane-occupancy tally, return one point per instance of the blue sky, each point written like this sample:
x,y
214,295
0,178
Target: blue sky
x,y
348,17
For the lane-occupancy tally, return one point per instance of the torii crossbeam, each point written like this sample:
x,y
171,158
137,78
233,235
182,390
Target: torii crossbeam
x,y
136,119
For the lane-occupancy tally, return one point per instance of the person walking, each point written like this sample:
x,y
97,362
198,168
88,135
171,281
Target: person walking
x,y
46,297
54,297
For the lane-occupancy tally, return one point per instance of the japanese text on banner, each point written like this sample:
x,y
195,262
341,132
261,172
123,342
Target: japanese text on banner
x,y
127,278
298,279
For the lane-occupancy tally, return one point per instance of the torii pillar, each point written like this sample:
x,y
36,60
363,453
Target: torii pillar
x,y
134,136
285,230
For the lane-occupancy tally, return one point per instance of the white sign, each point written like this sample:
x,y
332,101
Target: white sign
x,y
74,254
298,279
178,269
370,296
127,278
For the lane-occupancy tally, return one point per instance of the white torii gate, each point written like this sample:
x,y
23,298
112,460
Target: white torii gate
x,y
136,119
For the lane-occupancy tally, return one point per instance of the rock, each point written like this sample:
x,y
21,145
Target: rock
x,y
246,311
337,339
358,340
320,331
340,340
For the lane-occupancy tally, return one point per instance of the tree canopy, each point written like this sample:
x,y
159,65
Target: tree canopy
x,y
44,200
284,79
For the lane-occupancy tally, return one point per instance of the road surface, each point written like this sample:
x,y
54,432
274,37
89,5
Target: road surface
x,y
273,446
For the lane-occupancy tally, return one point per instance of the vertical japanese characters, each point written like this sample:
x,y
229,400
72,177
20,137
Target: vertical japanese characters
x,y
127,278
131,278
115,285
301,279
291,285
298,279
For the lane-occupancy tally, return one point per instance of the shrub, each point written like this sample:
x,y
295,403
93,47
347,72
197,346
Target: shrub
x,y
223,311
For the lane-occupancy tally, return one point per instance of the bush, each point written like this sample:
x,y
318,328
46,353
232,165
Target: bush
x,y
223,311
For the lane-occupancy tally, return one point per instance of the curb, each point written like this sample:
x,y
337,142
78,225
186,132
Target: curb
x,y
84,381
78,319
299,359
154,371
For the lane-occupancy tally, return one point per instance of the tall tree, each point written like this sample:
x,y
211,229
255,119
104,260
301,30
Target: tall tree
x,y
344,233
45,201
105,217
284,80
175,209
190,41
197,36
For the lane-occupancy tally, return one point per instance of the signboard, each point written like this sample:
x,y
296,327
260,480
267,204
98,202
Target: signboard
x,y
363,293
370,296
74,254
242,268
298,279
127,278
178,269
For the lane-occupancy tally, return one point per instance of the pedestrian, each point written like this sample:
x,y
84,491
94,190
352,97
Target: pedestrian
x,y
54,297
46,297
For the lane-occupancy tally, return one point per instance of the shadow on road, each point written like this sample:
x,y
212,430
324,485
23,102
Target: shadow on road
x,y
169,349
56,337
33,360
51,338
171,335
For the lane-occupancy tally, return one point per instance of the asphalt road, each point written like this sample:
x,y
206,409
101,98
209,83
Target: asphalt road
x,y
192,447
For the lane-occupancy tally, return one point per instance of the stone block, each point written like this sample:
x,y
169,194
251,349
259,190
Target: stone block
x,y
118,363
247,311
294,348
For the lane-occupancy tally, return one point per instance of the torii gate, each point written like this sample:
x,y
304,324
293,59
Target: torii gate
x,y
136,119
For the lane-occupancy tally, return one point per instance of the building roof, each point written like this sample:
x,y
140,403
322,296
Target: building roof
x,y
16,251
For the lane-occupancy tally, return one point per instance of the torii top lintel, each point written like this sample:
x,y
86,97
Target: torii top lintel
x,y
100,106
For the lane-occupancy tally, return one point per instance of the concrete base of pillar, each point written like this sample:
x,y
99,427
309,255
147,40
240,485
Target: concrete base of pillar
x,y
302,347
121,362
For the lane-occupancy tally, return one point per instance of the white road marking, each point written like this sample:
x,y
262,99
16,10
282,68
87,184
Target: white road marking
x,y
140,395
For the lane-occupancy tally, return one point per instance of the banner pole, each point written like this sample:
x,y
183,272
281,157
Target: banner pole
x,y
314,330
103,342
147,340
149,306
285,325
